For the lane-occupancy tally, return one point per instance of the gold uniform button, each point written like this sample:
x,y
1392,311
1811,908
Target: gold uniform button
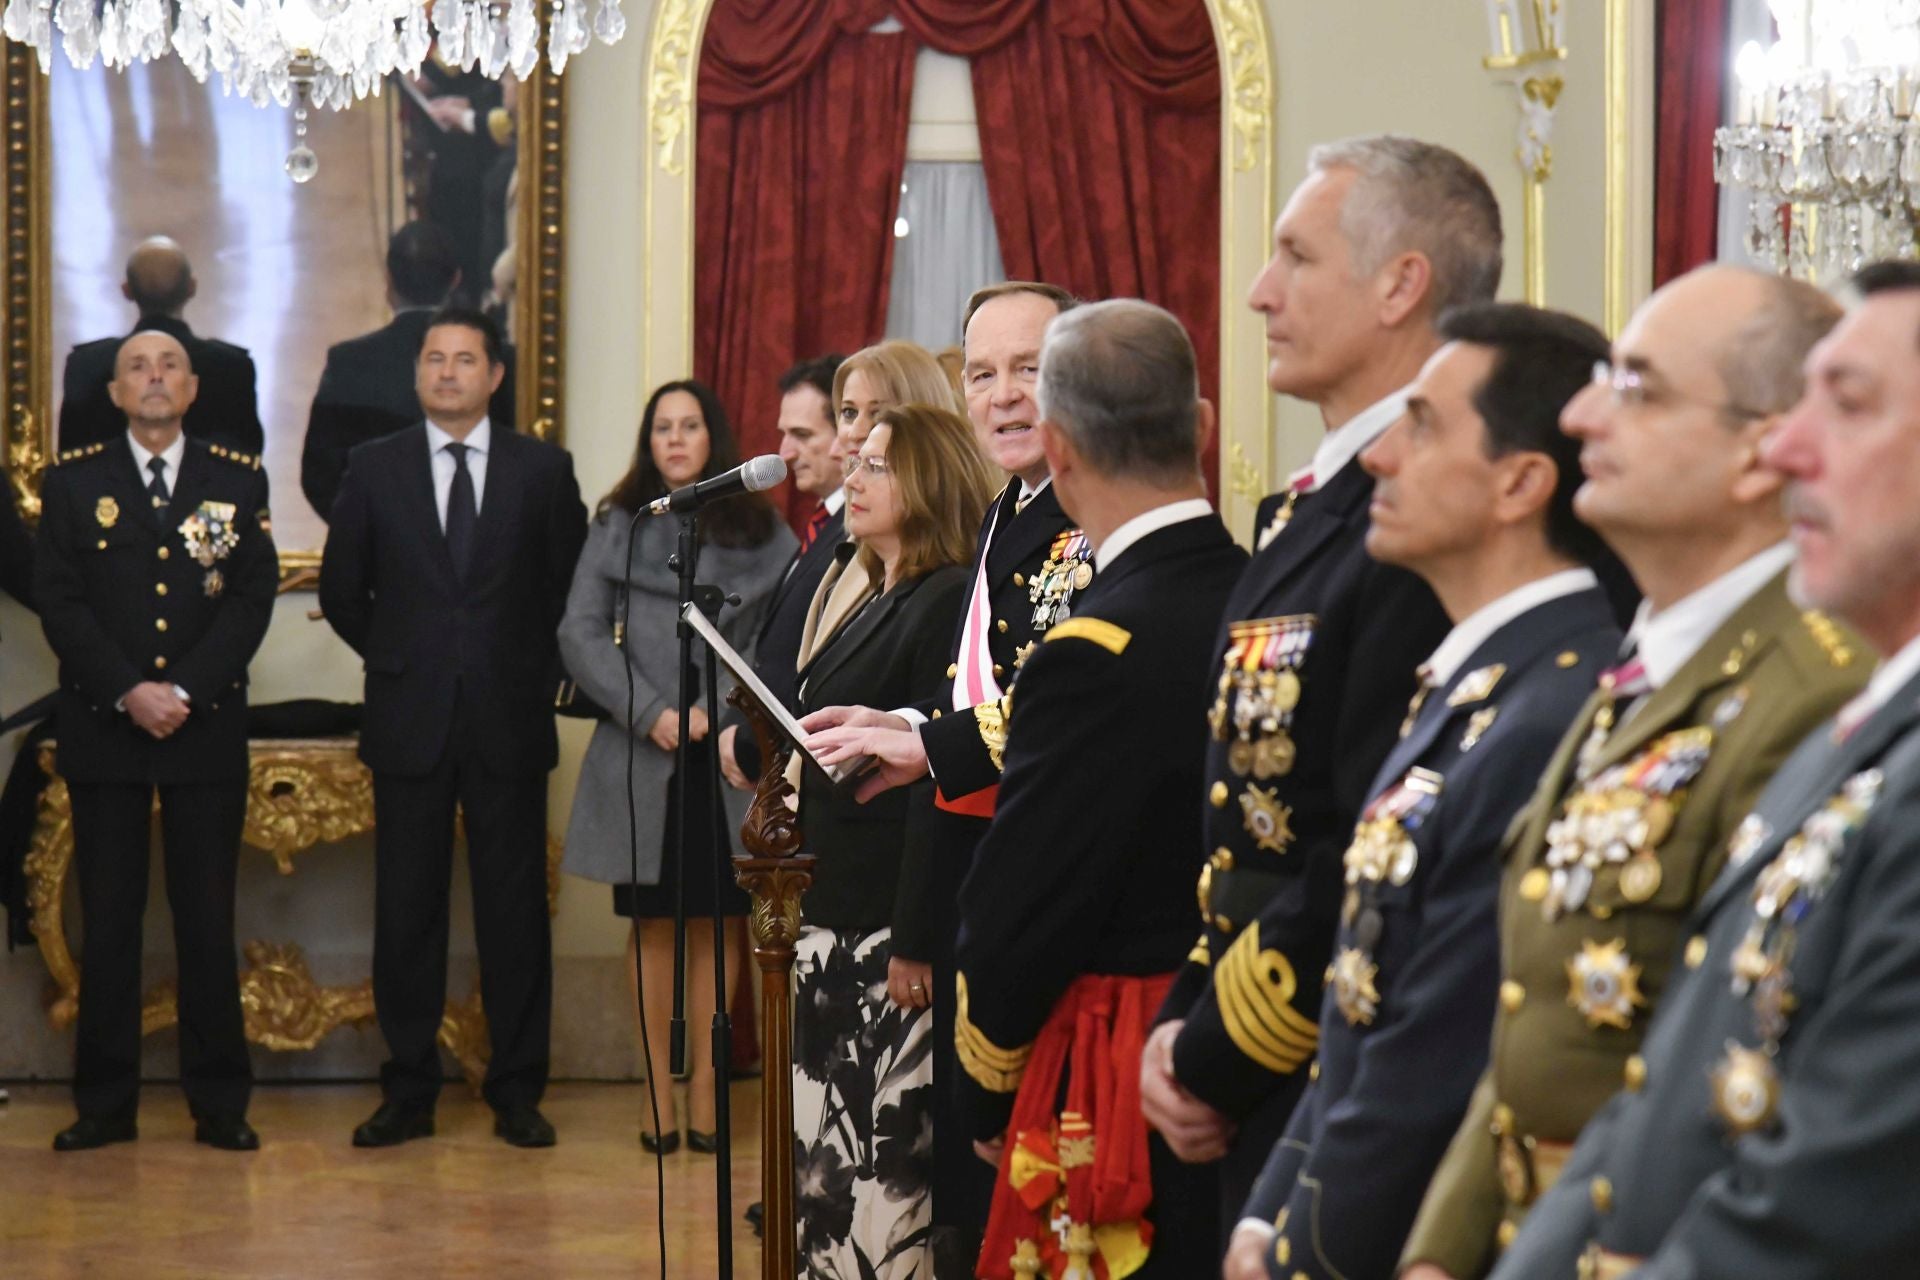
x,y
160,663
1218,795
159,624
1534,884
1696,951
1512,996
1222,859
936,713
1001,626
103,544
164,553
999,670
1506,1233
1565,660
1502,1120
1283,1250
1223,924
1019,581
1636,1072
159,588
953,668
1313,1072
1602,1191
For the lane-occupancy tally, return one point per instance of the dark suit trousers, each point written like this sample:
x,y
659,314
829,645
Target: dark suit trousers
x,y
200,826
506,824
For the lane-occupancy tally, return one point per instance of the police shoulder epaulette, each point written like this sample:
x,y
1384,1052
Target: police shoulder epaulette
x,y
1827,634
235,456
84,451
1112,638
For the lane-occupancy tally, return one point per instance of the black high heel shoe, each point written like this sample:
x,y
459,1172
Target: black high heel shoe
x,y
705,1143
660,1146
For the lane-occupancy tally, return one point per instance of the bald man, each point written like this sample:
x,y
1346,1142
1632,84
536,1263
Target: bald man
x,y
160,283
155,574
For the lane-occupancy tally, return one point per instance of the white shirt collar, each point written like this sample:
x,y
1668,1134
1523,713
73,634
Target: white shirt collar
x,y
171,455
1343,444
834,501
477,439
1887,680
1145,523
1664,641
1028,490
1473,630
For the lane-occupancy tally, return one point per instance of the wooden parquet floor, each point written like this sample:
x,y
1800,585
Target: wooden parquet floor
x,y
307,1204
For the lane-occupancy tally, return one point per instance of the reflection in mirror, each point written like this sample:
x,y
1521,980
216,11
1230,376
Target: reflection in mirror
x,y
262,276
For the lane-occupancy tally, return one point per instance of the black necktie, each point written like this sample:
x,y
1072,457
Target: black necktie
x,y
461,511
157,487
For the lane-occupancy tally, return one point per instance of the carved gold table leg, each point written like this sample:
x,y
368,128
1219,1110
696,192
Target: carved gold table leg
x,y
776,875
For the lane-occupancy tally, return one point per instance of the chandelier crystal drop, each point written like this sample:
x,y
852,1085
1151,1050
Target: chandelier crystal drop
x,y
320,53
1825,140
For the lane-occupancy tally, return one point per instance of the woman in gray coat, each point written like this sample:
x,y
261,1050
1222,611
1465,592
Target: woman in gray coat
x,y
745,549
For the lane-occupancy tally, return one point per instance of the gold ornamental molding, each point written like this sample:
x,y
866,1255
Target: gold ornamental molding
x,y
1246,409
301,794
26,331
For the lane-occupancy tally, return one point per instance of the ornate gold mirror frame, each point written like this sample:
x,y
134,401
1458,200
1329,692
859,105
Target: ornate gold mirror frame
x,y
1246,410
27,370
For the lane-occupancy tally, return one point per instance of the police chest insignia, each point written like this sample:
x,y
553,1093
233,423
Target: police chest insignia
x,y
1476,685
107,512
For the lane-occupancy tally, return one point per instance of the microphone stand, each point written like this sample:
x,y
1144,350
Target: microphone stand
x,y
708,599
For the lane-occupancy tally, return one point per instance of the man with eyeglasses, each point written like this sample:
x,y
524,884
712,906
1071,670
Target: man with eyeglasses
x,y
1721,675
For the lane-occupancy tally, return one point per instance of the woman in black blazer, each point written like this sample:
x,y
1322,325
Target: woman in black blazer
x,y
863,1067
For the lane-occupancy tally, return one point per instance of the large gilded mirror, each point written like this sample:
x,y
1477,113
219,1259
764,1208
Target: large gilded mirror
x,y
96,161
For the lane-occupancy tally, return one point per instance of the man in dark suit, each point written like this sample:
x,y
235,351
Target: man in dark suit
x,y
155,576
806,444
1028,564
160,283
1474,492
1319,643
1768,1128
367,387
446,569
1075,912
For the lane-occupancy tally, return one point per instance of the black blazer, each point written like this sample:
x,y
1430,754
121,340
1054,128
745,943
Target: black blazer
x,y
1372,625
1399,1060
890,654
1089,864
435,646
366,392
123,600
226,411
777,647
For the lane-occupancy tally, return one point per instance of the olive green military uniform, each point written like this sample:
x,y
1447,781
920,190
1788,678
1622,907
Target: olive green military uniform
x,y
1627,829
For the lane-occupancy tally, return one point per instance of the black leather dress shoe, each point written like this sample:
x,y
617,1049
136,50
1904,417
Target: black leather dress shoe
x,y
705,1143
89,1132
228,1133
522,1125
659,1146
393,1124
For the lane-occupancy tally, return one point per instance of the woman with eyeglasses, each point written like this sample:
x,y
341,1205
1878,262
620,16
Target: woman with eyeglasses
x,y
684,438
863,1060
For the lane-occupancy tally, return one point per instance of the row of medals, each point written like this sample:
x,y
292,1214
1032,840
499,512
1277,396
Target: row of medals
x,y
1746,1083
1263,699
1382,852
1067,569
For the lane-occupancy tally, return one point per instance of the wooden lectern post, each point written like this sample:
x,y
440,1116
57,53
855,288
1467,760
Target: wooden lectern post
x,y
775,875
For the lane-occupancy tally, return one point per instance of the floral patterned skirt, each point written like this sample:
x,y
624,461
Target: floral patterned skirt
x,y
862,1114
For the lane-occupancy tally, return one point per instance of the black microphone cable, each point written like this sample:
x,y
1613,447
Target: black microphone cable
x,y
633,881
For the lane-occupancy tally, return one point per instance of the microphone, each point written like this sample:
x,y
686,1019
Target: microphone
x,y
751,476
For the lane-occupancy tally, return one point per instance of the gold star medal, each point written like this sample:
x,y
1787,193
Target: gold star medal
x,y
107,512
1604,984
1266,818
1746,1089
1354,988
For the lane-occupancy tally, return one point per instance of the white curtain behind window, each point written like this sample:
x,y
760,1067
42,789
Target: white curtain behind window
x,y
945,248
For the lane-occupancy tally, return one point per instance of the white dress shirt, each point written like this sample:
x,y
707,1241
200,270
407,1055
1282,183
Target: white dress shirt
x,y
478,441
1472,631
834,501
169,458
1343,444
1130,532
1665,641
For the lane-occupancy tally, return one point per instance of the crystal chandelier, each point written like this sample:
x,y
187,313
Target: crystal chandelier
x,y
1825,139
307,53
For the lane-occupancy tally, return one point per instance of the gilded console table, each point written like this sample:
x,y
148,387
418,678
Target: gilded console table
x,y
301,793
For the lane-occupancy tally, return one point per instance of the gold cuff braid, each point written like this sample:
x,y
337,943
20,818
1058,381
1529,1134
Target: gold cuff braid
x,y
991,717
1255,991
994,1069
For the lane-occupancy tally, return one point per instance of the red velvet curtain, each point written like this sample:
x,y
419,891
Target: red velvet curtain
x,y
1099,123
1692,73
